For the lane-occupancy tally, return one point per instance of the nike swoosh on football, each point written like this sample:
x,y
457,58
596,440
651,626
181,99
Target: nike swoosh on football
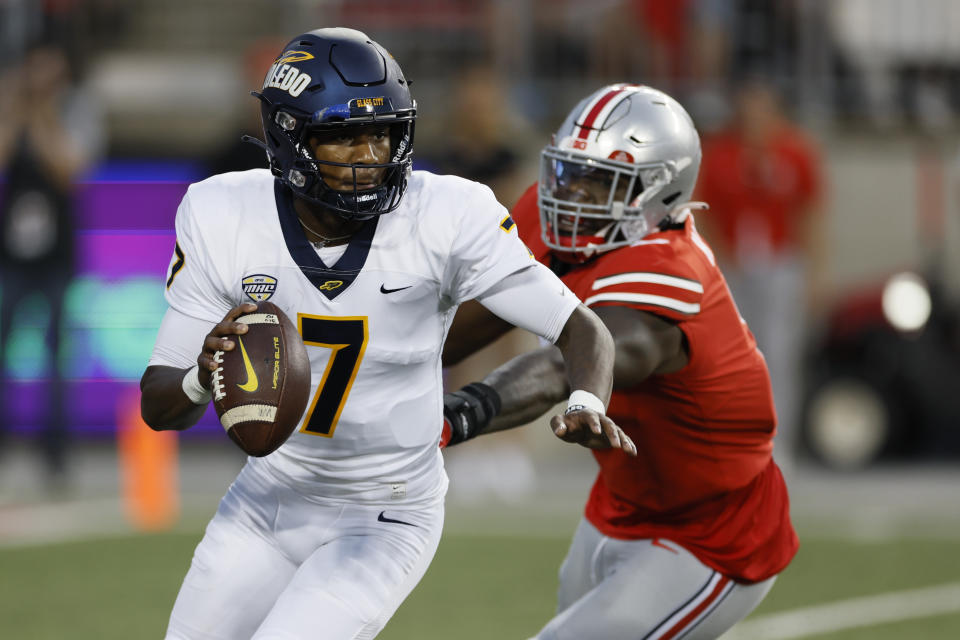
x,y
383,289
383,518
252,383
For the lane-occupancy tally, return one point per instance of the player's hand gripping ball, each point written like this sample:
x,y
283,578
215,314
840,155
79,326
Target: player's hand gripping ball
x,y
262,385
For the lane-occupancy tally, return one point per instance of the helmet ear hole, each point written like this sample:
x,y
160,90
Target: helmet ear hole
x,y
670,198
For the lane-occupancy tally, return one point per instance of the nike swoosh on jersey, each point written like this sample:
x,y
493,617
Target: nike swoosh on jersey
x,y
383,289
252,383
383,518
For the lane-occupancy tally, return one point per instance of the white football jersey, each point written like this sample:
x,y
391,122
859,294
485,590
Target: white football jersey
x,y
374,323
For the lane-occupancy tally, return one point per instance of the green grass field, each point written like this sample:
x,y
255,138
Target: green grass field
x,y
479,587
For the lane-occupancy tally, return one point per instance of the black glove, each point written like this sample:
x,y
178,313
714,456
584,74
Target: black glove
x,y
467,412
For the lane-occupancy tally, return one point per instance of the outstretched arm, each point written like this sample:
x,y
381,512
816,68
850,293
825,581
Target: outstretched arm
x,y
528,385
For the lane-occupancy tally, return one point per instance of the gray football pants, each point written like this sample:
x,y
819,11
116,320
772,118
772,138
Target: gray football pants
x,y
644,589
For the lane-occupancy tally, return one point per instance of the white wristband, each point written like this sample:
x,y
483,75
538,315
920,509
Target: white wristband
x,y
580,400
197,393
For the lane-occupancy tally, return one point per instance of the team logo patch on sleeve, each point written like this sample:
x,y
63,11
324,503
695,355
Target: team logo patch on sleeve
x,y
259,287
507,224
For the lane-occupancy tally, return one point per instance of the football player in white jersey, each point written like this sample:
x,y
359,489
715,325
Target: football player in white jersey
x,y
326,536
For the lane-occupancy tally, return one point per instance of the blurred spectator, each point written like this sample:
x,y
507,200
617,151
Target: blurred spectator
x,y
481,141
18,20
556,35
49,134
665,32
761,178
684,42
234,154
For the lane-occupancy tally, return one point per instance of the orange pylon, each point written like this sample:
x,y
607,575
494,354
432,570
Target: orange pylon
x,y
148,468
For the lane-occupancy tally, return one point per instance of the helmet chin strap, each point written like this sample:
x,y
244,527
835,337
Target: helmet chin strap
x,y
255,141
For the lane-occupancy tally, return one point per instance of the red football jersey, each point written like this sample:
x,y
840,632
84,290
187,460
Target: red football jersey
x,y
766,192
704,476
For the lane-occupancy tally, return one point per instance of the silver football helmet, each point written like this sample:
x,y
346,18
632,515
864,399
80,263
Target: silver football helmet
x,y
624,159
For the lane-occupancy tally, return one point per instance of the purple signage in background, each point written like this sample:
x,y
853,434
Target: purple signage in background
x,y
126,228
125,238
143,205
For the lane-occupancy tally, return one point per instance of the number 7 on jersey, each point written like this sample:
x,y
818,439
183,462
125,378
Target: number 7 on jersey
x,y
347,338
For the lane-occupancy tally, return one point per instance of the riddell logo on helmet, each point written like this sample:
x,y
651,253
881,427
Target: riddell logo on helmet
x,y
401,149
290,79
621,156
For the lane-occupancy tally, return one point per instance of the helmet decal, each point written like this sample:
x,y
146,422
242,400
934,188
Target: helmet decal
x,y
288,79
597,110
293,56
366,103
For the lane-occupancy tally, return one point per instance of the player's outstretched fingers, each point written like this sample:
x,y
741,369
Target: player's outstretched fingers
x,y
559,427
611,432
592,430
584,420
581,427
617,437
630,447
566,430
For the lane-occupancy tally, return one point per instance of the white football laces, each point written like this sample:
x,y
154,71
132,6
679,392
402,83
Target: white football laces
x,y
216,378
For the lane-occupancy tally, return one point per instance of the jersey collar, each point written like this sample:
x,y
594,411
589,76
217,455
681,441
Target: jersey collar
x,y
333,280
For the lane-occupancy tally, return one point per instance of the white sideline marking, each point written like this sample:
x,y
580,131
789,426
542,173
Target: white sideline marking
x,y
867,611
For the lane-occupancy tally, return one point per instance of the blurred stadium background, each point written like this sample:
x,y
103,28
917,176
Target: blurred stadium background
x,y
95,547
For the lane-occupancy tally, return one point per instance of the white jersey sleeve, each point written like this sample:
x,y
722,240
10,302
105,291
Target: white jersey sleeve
x,y
534,299
486,247
179,340
196,278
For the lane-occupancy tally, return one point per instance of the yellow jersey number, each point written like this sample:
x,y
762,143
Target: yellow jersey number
x,y
347,338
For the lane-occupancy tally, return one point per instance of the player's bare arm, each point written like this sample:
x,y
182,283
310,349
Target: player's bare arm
x,y
532,383
529,385
164,403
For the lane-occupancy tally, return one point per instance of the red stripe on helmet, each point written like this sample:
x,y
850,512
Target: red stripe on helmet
x,y
587,123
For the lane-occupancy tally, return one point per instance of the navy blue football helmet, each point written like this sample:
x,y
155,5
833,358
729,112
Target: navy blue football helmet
x,y
328,79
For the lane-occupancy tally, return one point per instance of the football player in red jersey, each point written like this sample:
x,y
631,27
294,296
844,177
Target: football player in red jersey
x,y
685,539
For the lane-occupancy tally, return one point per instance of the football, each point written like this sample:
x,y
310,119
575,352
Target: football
x,y
262,385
